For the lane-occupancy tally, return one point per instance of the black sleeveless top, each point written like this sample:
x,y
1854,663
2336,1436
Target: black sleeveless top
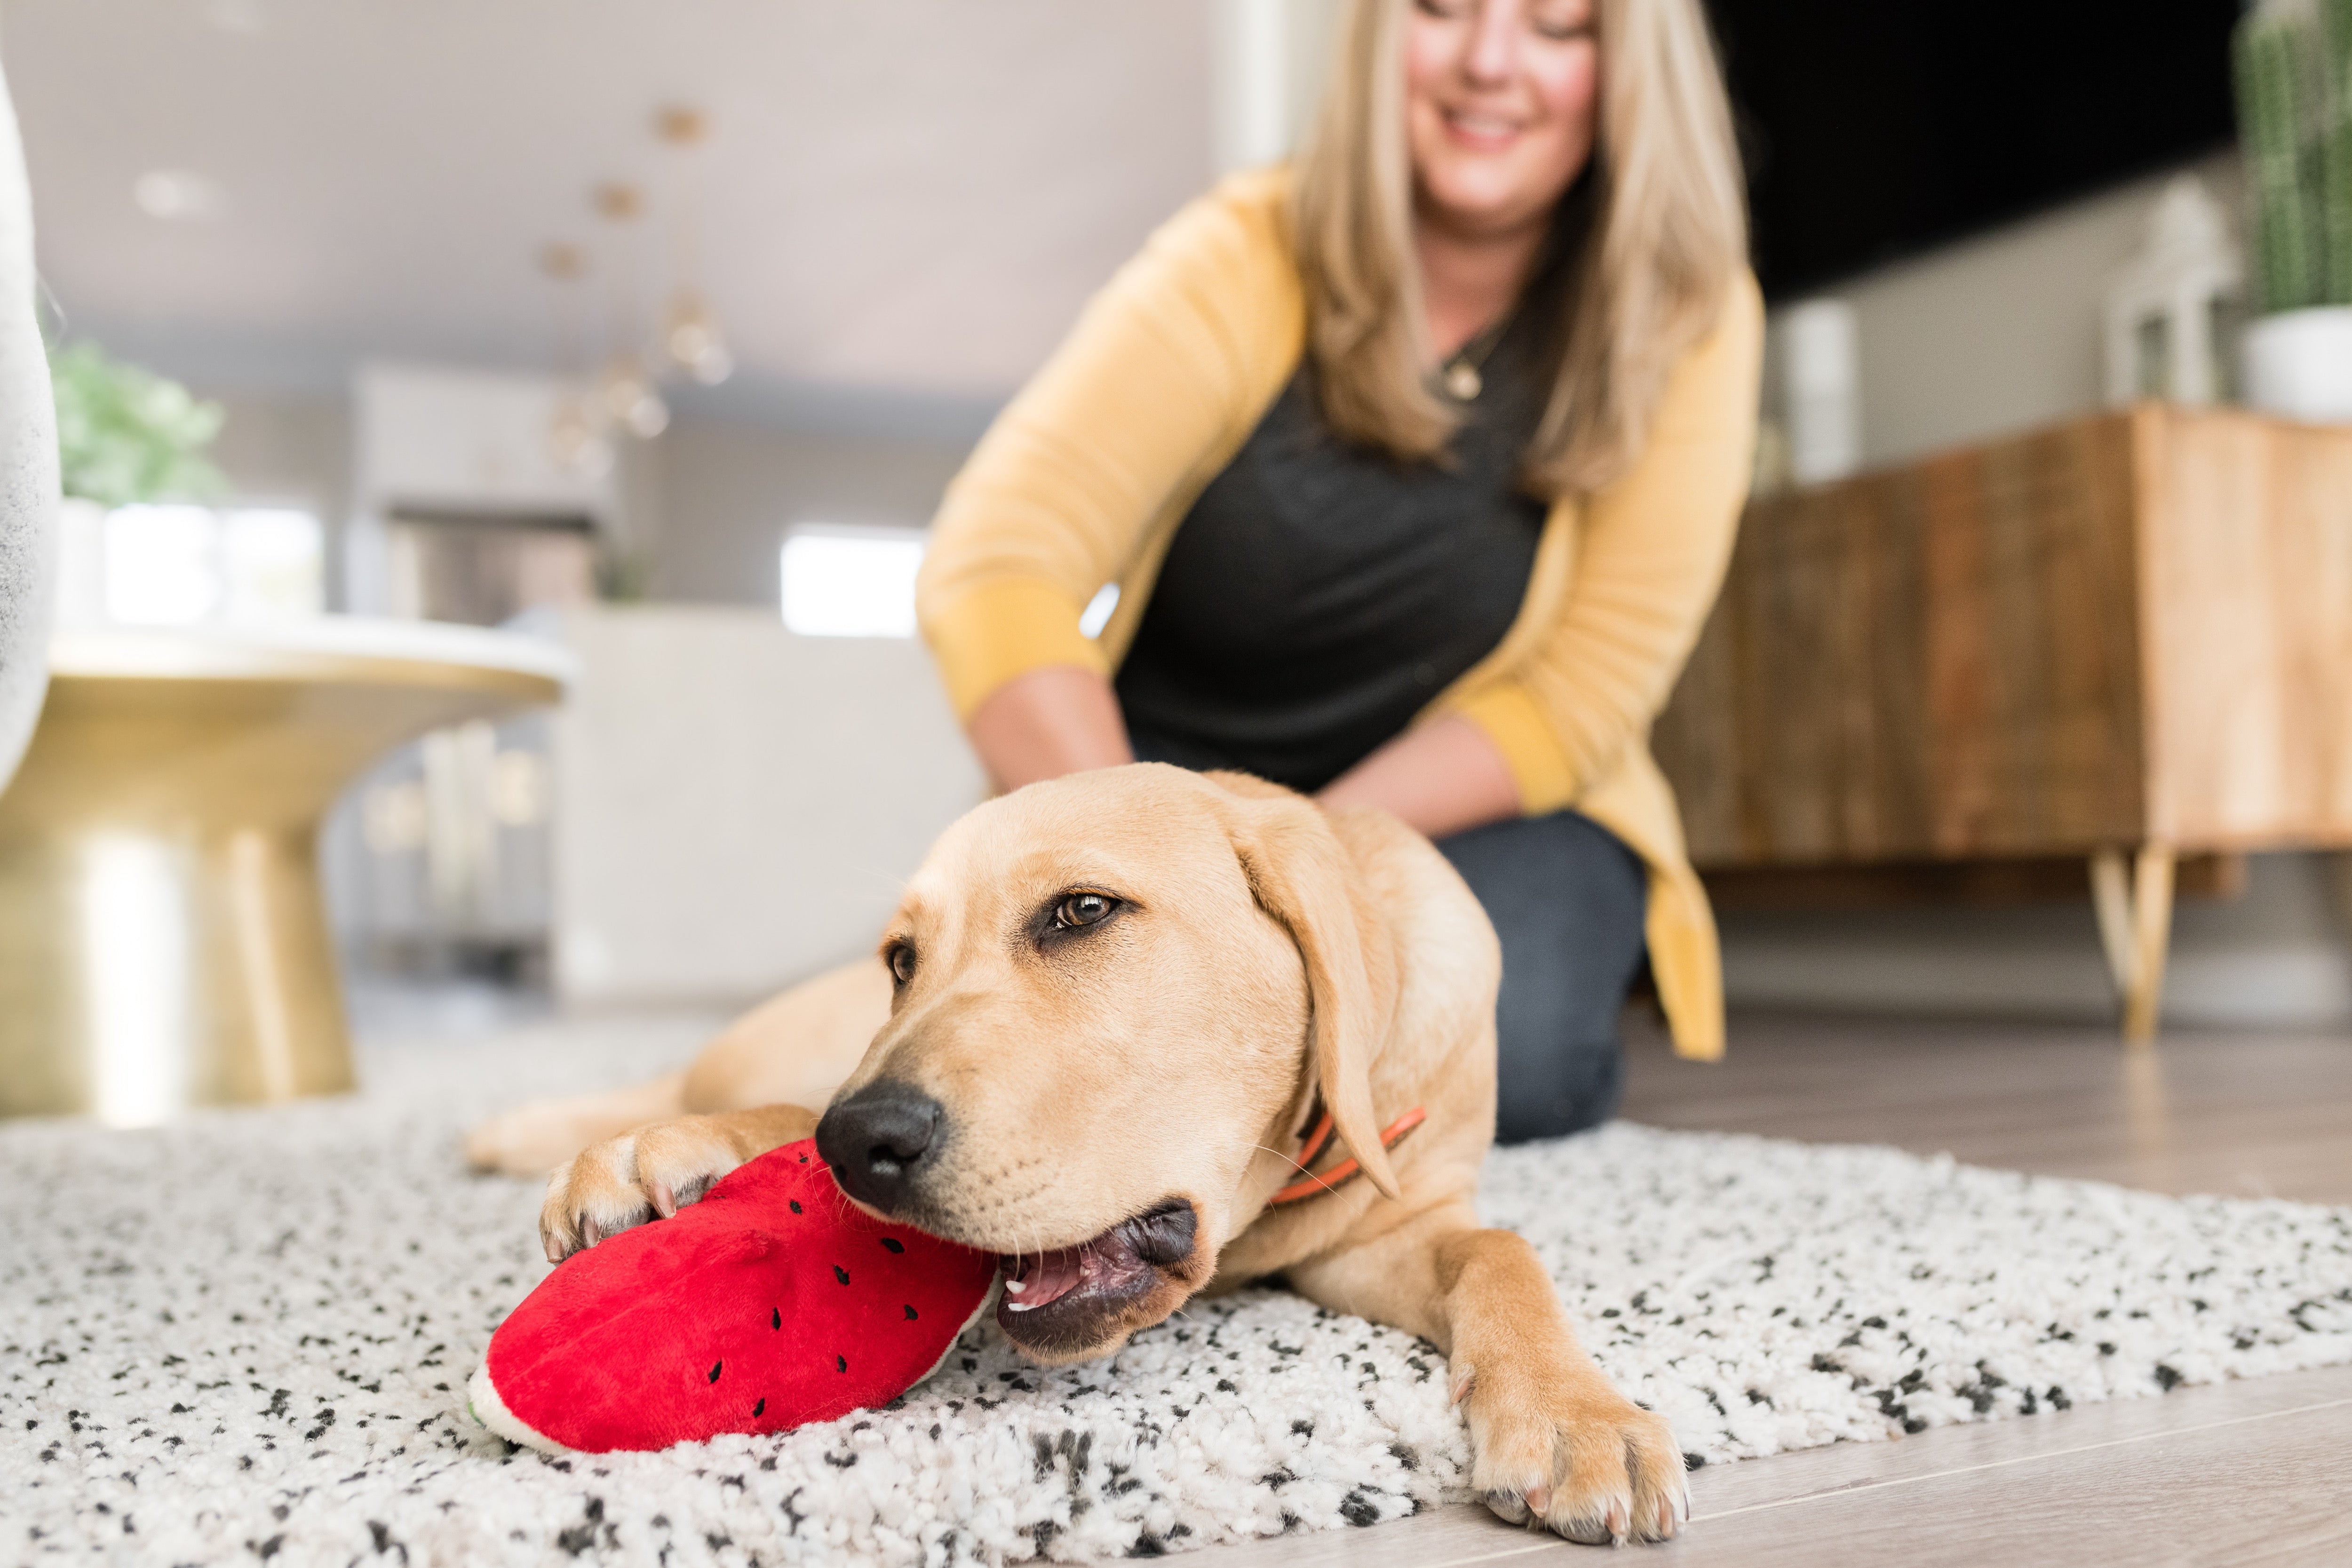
x,y
1320,593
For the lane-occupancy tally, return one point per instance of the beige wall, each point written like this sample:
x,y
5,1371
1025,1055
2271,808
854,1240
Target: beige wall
x,y
2000,332
726,494
295,448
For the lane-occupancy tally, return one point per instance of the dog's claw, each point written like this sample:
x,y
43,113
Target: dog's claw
x,y
665,1202
1587,1533
1463,1381
1538,1500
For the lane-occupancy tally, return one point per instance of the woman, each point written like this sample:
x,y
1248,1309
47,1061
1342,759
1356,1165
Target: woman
x,y
1416,470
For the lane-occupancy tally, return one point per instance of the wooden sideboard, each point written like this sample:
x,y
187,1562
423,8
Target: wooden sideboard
x,y
2126,640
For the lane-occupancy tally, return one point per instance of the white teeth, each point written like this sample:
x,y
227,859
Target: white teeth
x,y
1021,1306
1017,1285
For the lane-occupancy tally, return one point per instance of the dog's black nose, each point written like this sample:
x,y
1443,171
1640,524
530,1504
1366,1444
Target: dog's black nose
x,y
877,1139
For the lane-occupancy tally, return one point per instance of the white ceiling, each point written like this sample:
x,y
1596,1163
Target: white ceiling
x,y
907,199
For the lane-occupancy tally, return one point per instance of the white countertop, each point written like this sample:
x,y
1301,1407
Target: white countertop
x,y
229,650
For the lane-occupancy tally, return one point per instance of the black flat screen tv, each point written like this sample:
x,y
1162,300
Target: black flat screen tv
x,y
1876,129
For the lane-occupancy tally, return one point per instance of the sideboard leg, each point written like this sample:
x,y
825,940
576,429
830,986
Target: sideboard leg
x,y
2135,910
2111,897
2151,941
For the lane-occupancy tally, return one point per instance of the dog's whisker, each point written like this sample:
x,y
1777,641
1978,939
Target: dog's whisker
x,y
1293,1159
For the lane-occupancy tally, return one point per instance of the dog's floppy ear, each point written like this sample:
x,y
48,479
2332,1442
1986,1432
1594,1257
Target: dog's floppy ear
x,y
1301,875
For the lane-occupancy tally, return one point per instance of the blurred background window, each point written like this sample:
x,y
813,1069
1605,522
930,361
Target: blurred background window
x,y
190,565
850,582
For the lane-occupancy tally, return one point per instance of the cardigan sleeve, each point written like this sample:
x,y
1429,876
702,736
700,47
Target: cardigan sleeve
x,y
1651,551
1149,385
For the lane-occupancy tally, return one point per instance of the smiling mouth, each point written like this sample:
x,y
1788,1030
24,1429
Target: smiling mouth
x,y
1480,127
1064,1300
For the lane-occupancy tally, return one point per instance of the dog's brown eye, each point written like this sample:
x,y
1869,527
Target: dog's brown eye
x,y
902,963
1082,909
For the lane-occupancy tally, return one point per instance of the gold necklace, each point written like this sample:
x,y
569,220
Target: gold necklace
x,y
1461,375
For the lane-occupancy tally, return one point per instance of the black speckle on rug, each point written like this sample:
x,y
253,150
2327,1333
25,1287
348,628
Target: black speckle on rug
x,y
246,1338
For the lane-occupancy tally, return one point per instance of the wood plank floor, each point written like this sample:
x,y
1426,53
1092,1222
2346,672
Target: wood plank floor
x,y
2254,1115
2257,1472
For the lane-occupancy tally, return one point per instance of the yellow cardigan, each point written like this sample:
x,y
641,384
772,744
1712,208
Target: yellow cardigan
x,y
1084,478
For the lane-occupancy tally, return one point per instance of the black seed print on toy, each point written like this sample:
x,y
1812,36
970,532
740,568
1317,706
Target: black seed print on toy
x,y
796,1205
910,1311
841,1274
841,1362
714,1370
758,1410
776,1317
894,1243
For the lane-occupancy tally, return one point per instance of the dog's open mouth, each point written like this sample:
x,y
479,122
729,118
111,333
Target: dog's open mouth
x,y
1065,1300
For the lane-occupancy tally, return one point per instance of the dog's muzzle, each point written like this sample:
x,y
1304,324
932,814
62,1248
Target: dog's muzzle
x,y
880,1141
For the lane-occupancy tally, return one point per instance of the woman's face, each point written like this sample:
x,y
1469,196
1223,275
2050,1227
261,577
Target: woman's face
x,y
1499,107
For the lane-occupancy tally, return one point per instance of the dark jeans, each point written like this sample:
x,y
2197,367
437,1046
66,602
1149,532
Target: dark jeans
x,y
1568,898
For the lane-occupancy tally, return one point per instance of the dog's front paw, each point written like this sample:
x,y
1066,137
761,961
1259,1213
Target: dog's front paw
x,y
621,1183
1571,1454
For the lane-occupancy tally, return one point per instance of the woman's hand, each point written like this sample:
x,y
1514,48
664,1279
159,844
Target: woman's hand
x,y
1440,778
1051,721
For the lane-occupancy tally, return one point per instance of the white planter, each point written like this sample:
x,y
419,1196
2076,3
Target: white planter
x,y
2298,364
28,464
81,562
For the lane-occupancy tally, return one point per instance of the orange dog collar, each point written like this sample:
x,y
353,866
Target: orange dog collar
x,y
1309,1184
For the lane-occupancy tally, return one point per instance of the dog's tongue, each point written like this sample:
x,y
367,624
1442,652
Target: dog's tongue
x,y
1049,1276
1111,1262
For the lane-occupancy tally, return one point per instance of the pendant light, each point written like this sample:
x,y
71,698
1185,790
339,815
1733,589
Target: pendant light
x,y
576,437
691,338
626,390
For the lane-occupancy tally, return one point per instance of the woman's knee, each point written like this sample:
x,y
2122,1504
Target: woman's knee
x,y
1549,1089
1567,898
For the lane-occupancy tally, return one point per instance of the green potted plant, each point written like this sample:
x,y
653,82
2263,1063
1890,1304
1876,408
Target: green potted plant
x,y
124,436
2293,72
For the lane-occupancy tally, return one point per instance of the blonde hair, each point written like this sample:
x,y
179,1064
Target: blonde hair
x,y
1665,229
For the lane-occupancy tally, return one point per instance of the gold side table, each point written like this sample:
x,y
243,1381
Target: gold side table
x,y
163,941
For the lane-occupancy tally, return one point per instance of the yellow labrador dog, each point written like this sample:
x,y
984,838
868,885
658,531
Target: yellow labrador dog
x,y
1118,1004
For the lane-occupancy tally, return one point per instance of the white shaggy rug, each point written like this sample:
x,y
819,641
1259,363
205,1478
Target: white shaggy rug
x,y
247,1337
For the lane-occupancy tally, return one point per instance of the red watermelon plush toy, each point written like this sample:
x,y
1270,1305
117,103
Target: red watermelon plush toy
x,y
772,1302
